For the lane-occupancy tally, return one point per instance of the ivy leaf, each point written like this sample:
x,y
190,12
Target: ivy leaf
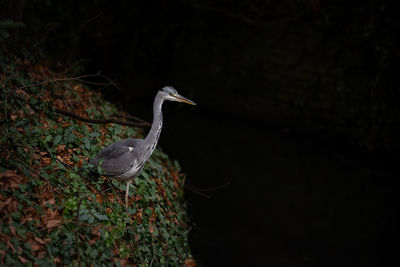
x,y
57,140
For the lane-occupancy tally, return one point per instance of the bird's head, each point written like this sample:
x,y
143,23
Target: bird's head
x,y
169,93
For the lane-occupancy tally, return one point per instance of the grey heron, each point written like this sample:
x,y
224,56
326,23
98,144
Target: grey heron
x,y
126,158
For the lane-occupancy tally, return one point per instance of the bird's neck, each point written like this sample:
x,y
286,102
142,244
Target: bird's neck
x,y
154,133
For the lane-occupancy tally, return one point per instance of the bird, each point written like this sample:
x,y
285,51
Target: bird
x,y
125,159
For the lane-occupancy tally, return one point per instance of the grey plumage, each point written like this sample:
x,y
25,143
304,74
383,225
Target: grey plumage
x,y
126,158
116,159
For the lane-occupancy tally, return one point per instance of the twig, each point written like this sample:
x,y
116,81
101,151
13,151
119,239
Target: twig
x,y
105,121
200,191
197,192
65,164
48,182
50,187
45,192
78,78
129,117
210,189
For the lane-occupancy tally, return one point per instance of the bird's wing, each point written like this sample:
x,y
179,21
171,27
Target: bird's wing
x,y
118,157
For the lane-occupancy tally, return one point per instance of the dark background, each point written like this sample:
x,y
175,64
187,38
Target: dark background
x,y
298,110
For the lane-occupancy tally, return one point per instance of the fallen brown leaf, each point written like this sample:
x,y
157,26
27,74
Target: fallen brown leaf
x,y
46,161
35,245
10,176
153,215
50,214
42,241
96,232
9,245
4,203
138,216
22,259
3,254
60,148
22,92
99,198
41,254
13,117
13,230
14,185
50,201
53,223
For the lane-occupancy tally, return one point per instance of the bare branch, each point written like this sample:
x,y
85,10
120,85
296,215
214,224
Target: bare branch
x,y
197,192
105,121
129,117
78,78
211,189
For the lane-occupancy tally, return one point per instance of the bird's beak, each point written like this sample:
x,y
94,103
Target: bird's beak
x,y
180,98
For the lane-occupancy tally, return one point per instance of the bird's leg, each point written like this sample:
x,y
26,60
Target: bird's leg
x,y
127,193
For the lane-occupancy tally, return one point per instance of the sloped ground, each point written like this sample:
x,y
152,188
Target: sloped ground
x,y
52,214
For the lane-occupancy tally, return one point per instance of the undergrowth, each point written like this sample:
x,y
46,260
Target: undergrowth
x,y
42,188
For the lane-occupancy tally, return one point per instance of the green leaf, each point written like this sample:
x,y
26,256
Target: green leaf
x,y
47,139
57,139
22,187
56,189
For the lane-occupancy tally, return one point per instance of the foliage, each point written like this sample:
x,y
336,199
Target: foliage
x,y
42,188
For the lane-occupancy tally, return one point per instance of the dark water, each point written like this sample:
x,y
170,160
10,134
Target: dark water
x,y
296,197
